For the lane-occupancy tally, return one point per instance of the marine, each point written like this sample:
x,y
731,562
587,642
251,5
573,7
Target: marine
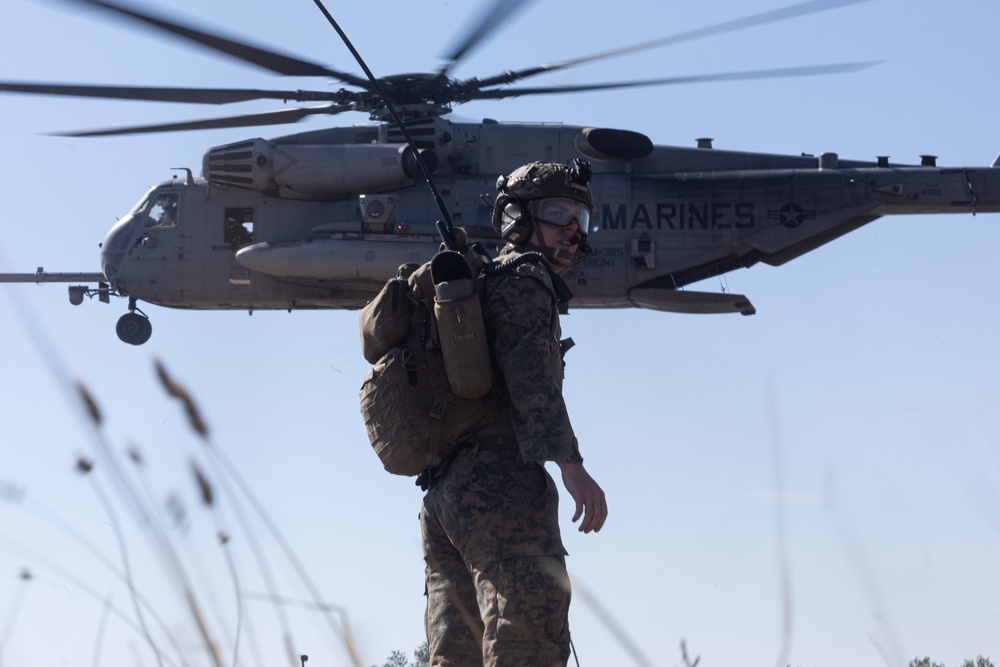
x,y
497,589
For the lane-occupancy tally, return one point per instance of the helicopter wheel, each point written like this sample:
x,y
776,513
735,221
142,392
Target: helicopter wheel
x,y
133,328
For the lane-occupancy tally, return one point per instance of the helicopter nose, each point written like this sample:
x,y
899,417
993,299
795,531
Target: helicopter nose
x,y
114,247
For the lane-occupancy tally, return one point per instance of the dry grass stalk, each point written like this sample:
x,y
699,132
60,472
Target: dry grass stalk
x,y
176,390
89,404
204,486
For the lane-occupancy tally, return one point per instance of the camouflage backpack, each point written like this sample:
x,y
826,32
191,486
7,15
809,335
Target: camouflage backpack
x,y
415,333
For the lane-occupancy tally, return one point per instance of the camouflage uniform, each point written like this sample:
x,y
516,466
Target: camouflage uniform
x,y
497,589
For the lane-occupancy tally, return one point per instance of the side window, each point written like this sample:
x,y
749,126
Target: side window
x,y
238,227
162,212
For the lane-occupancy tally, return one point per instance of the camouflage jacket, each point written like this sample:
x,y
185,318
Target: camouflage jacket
x,y
522,319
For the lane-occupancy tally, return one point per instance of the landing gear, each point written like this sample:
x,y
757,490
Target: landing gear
x,y
134,327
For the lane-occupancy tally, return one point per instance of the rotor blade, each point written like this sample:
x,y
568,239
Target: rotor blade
x,y
246,120
698,78
269,60
773,16
489,21
184,95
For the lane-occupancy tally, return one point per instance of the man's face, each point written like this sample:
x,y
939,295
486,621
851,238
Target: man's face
x,y
559,221
560,241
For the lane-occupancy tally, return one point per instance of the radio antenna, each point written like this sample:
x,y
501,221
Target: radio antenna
x,y
444,226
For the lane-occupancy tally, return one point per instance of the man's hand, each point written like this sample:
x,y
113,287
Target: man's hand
x,y
589,497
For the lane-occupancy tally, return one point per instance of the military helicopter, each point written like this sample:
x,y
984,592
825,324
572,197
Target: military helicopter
x,y
320,219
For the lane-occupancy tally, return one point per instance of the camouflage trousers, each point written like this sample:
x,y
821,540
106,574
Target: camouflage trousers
x,y
497,590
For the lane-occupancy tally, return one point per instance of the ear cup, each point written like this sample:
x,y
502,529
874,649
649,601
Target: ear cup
x,y
515,223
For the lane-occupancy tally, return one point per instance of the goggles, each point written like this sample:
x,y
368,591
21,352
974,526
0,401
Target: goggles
x,y
561,211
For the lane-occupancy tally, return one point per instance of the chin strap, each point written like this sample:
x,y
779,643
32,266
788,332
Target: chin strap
x,y
563,254
582,250
548,252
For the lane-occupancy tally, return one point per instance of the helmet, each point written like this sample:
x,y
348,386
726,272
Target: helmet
x,y
516,206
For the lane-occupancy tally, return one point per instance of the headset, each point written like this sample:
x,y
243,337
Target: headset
x,y
516,223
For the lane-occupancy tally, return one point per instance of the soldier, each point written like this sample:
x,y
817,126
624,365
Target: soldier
x,y
497,589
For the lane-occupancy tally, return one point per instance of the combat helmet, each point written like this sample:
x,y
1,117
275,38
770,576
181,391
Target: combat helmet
x,y
519,192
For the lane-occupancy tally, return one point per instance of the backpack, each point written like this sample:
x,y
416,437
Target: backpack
x,y
425,392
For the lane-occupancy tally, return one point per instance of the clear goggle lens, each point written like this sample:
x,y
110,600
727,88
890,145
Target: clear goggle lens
x,y
561,211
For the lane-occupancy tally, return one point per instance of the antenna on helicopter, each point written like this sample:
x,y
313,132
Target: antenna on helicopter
x,y
190,174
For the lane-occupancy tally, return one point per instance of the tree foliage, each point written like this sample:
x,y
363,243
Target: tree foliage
x,y
980,661
421,658
396,659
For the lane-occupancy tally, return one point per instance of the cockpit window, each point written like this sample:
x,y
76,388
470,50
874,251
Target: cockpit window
x,y
162,212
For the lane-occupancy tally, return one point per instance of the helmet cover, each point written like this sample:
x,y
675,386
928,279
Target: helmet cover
x,y
540,180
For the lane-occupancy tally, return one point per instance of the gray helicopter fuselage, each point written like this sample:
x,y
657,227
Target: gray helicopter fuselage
x,y
328,216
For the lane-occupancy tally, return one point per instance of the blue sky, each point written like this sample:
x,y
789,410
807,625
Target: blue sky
x,y
837,451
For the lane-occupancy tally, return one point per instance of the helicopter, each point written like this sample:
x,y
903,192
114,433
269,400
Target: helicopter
x,y
320,219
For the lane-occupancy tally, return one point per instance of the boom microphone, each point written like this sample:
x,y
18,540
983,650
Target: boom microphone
x,y
581,242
